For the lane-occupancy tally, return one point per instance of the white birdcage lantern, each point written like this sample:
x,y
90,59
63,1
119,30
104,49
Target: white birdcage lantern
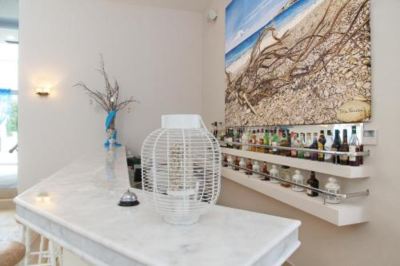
x,y
181,168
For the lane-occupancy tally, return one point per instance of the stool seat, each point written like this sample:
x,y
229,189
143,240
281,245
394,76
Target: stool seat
x,y
11,253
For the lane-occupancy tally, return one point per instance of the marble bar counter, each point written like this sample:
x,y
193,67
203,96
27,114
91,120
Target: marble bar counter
x,y
81,214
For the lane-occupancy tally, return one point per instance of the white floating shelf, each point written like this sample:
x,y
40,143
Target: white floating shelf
x,y
319,167
346,213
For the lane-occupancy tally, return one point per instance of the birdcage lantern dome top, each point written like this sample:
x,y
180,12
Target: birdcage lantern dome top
x,y
181,168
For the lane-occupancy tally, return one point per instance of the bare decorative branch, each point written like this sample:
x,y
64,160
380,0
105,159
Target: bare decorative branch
x,y
109,99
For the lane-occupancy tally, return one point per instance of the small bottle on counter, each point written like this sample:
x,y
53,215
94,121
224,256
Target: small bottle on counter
x,y
286,175
237,164
264,170
231,162
333,187
314,183
256,169
298,178
249,167
274,173
242,165
225,161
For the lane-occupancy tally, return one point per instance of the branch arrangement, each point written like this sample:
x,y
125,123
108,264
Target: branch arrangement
x,y
109,99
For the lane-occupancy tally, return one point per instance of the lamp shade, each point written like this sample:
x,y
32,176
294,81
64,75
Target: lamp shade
x,y
181,168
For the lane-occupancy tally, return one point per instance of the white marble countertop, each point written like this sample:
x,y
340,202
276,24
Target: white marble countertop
x,y
82,215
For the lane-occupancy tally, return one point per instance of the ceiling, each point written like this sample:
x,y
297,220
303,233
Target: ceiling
x,y
192,5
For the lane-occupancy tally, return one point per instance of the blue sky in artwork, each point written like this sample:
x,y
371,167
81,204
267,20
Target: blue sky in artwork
x,y
245,17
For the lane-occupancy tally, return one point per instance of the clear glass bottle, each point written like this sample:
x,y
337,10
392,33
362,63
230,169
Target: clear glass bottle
x,y
266,140
286,175
294,144
249,167
256,169
307,154
298,178
301,144
264,170
274,173
328,146
242,165
245,141
354,146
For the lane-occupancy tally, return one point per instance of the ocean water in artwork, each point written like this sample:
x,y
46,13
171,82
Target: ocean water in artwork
x,y
297,62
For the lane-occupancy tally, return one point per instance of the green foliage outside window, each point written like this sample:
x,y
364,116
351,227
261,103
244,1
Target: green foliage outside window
x,y
12,122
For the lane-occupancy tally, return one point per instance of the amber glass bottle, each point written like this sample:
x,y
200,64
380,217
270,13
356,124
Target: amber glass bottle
x,y
264,170
249,168
314,183
321,146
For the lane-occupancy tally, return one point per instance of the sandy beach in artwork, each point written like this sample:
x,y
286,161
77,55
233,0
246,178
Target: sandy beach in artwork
x,y
305,82
238,65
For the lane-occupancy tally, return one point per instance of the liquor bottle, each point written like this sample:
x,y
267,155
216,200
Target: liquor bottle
x,y
344,147
237,164
336,146
286,175
256,169
308,143
298,178
274,173
225,161
249,167
237,138
328,146
220,131
215,128
321,146
266,141
261,141
294,144
245,141
333,187
275,142
253,141
231,162
242,165
229,138
301,144
314,183
354,146
289,144
284,142
314,146
264,170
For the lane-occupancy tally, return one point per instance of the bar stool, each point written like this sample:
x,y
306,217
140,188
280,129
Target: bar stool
x,y
11,253
49,254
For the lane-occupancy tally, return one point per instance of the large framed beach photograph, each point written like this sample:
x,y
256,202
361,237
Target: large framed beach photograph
x,y
298,62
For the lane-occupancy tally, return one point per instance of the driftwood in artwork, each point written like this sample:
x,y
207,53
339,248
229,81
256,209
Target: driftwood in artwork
x,y
293,61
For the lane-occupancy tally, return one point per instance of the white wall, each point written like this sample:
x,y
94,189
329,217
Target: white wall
x,y
155,53
373,243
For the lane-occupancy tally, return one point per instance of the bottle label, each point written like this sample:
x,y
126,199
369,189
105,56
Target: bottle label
x,y
353,158
274,144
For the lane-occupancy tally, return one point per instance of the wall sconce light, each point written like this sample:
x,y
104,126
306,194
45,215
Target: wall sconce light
x,y
43,91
